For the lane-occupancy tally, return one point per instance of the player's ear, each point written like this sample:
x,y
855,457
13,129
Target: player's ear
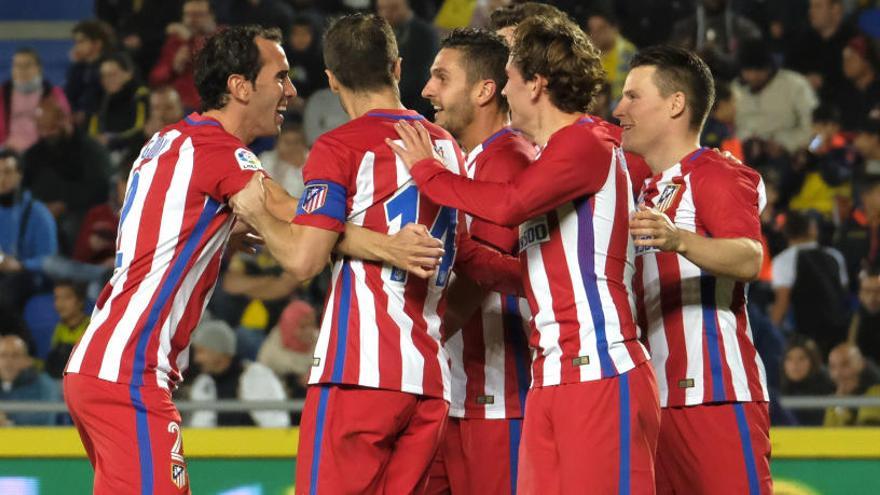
x,y
332,81
485,91
677,104
239,87
537,86
395,71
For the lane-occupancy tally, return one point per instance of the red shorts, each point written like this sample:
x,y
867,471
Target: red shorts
x,y
591,437
131,435
362,440
477,456
715,448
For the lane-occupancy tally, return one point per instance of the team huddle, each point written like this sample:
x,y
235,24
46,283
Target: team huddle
x,y
564,310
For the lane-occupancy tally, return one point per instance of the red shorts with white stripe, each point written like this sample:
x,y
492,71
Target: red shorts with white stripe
x,y
591,437
714,449
356,440
477,456
131,435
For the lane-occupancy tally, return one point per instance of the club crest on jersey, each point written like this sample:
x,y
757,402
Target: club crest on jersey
x,y
314,197
247,160
667,197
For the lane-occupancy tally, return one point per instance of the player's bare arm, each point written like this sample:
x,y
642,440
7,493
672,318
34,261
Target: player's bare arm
x,y
412,248
737,258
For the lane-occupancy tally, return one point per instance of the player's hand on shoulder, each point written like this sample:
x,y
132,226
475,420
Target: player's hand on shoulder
x,y
414,249
417,145
248,203
651,228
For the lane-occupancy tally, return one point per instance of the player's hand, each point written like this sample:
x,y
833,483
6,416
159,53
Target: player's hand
x,y
248,204
244,239
650,228
414,249
417,144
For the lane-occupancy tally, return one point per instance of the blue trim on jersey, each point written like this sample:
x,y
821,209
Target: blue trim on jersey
x,y
515,437
129,197
395,116
189,120
625,440
493,137
748,454
145,451
585,120
707,294
319,434
513,330
586,249
697,154
334,204
342,324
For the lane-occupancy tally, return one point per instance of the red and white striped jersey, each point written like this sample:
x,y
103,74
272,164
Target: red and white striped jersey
x,y
172,230
572,205
697,327
489,357
381,327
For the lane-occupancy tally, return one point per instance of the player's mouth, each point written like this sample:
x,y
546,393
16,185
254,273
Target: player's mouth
x,y
437,110
626,127
279,115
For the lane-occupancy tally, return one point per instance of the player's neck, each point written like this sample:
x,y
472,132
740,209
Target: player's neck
x,y
549,120
358,104
484,125
232,123
666,154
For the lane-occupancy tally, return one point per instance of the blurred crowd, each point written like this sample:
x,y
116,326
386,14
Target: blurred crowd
x,y
798,99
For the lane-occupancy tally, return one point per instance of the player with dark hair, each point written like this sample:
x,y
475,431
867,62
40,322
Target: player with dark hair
x,y
489,356
698,238
504,20
378,398
592,413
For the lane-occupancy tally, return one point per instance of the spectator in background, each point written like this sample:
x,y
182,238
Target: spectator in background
x,y
27,235
140,26
716,32
165,109
183,40
804,374
868,325
417,44
225,376
504,20
858,238
720,128
266,13
20,381
859,93
810,280
772,104
20,97
284,163
70,303
816,52
616,50
303,49
92,41
867,142
119,122
289,347
650,22
852,375
66,169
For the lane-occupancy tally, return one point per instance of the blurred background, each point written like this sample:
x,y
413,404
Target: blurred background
x,y
84,84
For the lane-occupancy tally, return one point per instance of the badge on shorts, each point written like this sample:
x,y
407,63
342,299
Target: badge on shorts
x,y
178,475
247,160
580,361
686,383
485,399
178,464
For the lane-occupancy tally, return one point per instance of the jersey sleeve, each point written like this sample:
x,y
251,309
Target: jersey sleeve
x,y
560,174
727,201
501,166
490,269
222,171
327,175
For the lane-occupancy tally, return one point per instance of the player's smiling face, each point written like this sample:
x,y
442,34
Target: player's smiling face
x,y
449,92
519,94
272,90
643,112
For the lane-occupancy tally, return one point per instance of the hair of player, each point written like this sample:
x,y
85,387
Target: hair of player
x,y
230,51
678,69
361,51
79,289
30,52
96,30
484,56
513,15
6,153
560,51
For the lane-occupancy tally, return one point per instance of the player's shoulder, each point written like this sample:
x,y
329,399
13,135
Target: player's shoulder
x,y
588,135
512,142
711,165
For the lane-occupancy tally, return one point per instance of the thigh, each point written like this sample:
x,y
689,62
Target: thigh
x,y
347,436
416,446
490,452
716,449
538,469
446,463
607,434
